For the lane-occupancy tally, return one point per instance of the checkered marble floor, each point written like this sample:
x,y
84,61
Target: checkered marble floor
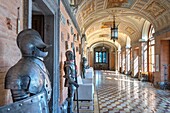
x,y
118,93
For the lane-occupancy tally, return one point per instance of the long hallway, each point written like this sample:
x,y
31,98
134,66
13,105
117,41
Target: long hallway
x,y
72,38
122,94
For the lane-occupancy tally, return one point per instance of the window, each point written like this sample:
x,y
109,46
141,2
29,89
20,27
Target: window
x,y
136,65
145,58
120,61
123,61
151,50
100,57
128,59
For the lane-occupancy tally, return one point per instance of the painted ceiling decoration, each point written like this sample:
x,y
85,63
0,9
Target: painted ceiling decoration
x,y
119,3
155,9
95,17
115,3
106,24
104,35
130,30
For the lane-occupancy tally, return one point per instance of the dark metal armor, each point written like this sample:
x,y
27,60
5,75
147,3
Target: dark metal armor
x,y
69,69
29,76
33,104
84,66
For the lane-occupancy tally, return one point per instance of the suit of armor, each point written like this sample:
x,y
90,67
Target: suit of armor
x,y
84,66
29,76
69,69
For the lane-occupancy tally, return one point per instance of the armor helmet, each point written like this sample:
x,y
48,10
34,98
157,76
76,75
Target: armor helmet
x,y
84,59
30,43
69,55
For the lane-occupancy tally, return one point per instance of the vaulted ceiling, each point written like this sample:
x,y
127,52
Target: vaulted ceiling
x,y
95,18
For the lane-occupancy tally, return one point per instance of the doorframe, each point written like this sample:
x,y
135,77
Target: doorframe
x,y
51,11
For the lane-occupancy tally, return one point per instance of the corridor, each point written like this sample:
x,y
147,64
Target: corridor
x,y
131,37
118,93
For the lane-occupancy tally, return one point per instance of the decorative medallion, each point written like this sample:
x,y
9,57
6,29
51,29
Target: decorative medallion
x,y
130,30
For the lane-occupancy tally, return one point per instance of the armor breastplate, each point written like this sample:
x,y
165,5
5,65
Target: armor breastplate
x,y
28,77
71,65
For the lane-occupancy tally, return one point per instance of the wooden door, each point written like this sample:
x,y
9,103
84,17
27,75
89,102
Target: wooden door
x,y
38,24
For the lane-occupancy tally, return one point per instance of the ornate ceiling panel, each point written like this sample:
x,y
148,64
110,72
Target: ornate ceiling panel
x,y
95,17
155,9
119,3
130,30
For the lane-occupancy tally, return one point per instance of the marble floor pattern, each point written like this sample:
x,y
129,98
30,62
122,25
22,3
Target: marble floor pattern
x,y
118,93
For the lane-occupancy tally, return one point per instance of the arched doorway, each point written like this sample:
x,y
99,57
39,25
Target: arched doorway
x,y
101,58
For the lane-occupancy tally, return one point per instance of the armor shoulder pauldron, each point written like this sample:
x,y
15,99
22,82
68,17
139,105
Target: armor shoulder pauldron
x,y
14,81
24,76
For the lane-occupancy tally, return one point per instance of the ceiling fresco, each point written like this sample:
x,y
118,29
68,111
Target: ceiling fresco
x,y
95,17
119,3
155,9
130,30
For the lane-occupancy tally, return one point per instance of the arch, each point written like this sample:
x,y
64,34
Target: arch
x,y
145,31
106,43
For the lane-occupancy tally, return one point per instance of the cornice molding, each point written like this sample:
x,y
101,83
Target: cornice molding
x,y
70,13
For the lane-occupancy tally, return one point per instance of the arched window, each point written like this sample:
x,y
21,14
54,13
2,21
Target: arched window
x,y
100,57
128,59
151,49
128,51
145,57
